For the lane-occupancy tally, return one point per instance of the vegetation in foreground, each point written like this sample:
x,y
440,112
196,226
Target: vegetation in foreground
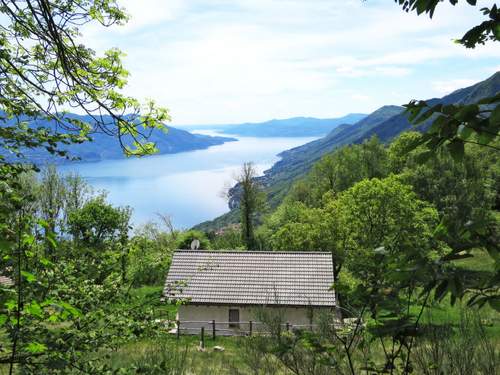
x,y
401,222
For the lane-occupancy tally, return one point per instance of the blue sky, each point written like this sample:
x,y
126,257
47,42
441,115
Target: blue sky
x,y
231,61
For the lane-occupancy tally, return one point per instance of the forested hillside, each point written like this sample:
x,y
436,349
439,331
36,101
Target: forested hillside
x,y
385,123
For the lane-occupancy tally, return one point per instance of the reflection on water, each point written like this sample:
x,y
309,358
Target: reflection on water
x,y
186,186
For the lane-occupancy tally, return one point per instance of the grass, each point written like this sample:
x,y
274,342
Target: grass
x,y
209,361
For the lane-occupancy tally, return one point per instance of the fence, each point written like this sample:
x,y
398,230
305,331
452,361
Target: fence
x,y
214,329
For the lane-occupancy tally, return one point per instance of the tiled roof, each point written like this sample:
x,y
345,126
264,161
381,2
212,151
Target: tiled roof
x,y
251,278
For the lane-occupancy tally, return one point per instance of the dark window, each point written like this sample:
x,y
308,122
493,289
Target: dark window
x,y
234,318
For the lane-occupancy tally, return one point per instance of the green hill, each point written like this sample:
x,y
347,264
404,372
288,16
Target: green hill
x,y
386,123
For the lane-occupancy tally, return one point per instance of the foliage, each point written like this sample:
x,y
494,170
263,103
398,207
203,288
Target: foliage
x,y
44,69
379,218
227,238
294,226
341,169
487,30
185,238
394,241
150,255
461,191
454,125
165,358
55,312
251,202
70,299
98,222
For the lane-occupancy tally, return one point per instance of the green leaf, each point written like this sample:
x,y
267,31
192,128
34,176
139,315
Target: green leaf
x,y
464,132
46,262
28,276
441,290
72,310
467,113
456,148
34,309
36,347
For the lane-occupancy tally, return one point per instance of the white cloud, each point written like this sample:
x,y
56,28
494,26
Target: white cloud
x,y
248,60
150,12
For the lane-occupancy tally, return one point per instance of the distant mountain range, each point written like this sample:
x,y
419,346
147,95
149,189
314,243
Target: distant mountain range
x,y
104,147
292,127
386,123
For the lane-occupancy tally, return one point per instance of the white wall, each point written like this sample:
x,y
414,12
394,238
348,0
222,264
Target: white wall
x,y
193,317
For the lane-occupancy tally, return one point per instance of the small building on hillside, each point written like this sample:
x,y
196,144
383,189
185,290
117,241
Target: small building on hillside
x,y
231,290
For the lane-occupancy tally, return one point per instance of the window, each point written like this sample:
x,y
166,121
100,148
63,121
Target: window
x,y
234,318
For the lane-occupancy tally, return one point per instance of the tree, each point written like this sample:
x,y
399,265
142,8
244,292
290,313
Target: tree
x,y
184,240
341,169
382,225
454,125
98,222
150,254
251,201
479,34
294,226
78,192
387,235
44,70
463,192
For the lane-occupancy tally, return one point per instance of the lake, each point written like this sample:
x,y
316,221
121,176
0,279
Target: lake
x,y
186,186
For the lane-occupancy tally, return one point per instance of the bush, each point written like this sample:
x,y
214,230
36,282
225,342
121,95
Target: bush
x,y
228,238
185,239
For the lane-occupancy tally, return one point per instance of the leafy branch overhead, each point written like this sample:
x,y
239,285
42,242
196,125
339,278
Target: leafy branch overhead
x,y
454,125
45,70
480,34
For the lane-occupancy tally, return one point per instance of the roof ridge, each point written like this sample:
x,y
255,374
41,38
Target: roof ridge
x,y
249,251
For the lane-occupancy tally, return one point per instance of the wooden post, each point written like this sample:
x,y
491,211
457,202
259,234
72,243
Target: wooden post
x,y
250,328
178,328
202,341
213,329
287,326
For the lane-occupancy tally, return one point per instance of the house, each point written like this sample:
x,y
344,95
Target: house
x,y
230,289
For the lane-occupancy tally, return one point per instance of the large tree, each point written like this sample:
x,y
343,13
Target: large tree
x,y
251,202
45,70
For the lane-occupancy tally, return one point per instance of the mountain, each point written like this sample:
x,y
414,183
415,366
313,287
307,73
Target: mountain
x,y
386,123
104,147
292,127
298,160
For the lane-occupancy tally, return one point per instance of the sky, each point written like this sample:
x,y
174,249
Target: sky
x,y
234,61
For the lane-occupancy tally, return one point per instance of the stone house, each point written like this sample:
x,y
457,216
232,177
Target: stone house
x,y
230,290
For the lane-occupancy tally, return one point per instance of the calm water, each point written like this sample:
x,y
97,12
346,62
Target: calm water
x,y
186,186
